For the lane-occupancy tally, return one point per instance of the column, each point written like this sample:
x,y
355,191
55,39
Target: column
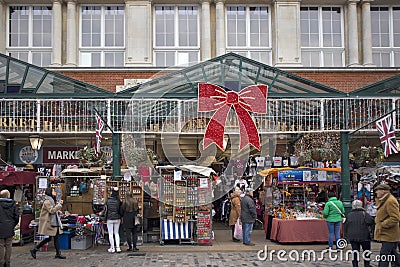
x,y
287,34
3,34
352,33
138,33
345,164
205,30
220,34
116,148
72,38
57,33
366,33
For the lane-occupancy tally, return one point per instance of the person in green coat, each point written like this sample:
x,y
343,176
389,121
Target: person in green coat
x,y
333,213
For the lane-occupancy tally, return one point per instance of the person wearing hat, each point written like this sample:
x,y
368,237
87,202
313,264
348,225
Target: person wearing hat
x,y
387,225
113,218
248,216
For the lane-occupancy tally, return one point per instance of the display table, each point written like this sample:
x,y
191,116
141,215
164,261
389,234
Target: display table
x,y
299,231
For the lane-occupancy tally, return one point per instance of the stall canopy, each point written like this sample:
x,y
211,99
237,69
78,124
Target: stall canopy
x,y
197,169
17,177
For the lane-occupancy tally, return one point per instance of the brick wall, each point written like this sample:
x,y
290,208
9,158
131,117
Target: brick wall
x,y
340,80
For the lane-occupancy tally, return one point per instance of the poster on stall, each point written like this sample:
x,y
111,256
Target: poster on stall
x,y
177,175
203,183
43,183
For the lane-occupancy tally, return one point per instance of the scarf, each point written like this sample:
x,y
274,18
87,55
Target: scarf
x,y
54,218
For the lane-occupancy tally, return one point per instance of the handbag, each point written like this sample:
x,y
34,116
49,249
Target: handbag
x,y
238,233
341,213
138,220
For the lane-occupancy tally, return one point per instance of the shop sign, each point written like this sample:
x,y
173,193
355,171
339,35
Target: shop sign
x,y
290,176
66,155
308,176
26,155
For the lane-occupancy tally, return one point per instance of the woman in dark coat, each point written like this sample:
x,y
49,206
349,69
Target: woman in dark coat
x,y
356,230
113,217
49,222
129,209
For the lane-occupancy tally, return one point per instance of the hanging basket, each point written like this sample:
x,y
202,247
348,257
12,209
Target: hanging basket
x,y
316,155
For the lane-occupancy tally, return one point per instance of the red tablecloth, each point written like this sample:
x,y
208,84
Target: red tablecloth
x,y
291,231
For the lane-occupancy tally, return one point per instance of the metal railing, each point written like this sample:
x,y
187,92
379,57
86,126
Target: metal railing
x,y
180,116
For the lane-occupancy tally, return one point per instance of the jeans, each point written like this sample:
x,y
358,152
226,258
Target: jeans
x,y
113,229
48,239
247,228
366,245
388,248
333,231
5,250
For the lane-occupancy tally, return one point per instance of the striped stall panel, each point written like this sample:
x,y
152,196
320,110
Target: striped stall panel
x,y
172,230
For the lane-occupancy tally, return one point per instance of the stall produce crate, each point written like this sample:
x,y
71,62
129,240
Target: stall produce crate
x,y
65,239
81,242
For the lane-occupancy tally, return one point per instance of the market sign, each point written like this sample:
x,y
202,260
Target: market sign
x,y
67,155
26,155
308,176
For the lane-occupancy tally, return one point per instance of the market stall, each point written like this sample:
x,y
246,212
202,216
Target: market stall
x,y
293,212
23,183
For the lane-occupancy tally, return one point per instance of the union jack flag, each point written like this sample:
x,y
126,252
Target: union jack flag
x,y
386,134
99,133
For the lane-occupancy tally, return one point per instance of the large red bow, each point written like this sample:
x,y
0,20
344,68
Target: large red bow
x,y
250,99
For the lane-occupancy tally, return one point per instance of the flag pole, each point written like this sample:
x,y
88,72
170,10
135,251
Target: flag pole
x,y
105,121
390,112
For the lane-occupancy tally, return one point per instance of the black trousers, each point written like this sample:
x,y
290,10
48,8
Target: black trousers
x,y
366,245
131,236
48,239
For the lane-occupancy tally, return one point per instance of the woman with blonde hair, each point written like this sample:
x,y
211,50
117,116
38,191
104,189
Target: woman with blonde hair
x,y
234,214
129,210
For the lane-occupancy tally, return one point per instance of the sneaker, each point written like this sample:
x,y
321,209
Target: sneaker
x,y
111,250
118,250
249,244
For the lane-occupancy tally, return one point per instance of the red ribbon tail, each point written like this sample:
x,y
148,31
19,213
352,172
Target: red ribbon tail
x,y
216,128
248,129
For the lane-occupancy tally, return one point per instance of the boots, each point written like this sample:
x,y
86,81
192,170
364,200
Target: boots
x,y
33,252
135,249
6,264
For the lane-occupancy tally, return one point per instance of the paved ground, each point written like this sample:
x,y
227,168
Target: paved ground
x,y
223,252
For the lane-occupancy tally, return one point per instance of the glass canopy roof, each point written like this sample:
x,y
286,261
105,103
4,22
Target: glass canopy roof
x,y
384,88
232,72
19,79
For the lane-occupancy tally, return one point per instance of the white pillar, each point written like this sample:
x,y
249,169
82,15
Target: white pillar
x,y
205,30
138,29
220,35
352,33
366,33
57,33
72,38
3,34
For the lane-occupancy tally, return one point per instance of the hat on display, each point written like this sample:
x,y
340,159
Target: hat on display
x,y
383,187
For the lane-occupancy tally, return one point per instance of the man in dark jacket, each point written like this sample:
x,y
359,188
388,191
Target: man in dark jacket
x,y
356,230
9,218
248,216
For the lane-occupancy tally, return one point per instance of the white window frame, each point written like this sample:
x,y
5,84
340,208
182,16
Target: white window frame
x,y
247,50
29,50
176,49
393,52
85,51
320,50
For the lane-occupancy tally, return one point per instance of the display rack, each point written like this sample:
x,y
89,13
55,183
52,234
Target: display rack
x,y
204,221
99,189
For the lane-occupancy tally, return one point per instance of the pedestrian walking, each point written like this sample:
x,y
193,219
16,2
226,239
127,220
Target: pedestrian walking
x,y
50,223
9,218
356,230
387,225
248,216
113,217
129,210
333,213
234,214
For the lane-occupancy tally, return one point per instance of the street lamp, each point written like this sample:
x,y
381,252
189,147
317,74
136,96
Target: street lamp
x,y
36,142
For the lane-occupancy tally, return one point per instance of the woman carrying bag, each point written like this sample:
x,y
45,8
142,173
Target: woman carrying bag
x,y
50,223
129,210
333,213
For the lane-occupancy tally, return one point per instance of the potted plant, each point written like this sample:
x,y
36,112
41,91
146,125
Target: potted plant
x,y
87,156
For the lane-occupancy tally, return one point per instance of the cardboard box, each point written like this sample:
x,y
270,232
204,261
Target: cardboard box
x,y
82,242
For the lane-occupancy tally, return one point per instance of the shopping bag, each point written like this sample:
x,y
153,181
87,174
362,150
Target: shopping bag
x,y
238,234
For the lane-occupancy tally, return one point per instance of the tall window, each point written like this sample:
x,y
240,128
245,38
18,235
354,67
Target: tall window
x,y
176,35
248,32
385,29
102,42
321,36
30,34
